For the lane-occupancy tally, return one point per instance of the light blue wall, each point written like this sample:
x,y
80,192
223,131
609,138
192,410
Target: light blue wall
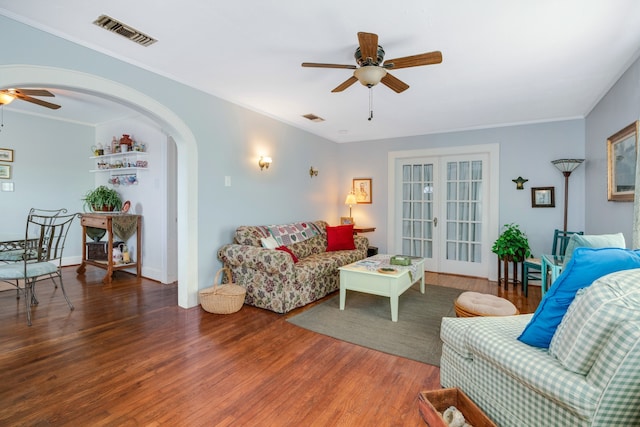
x,y
230,140
525,150
49,170
617,109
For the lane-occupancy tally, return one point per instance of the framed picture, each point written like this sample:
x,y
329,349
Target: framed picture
x,y
362,190
5,171
6,155
543,197
346,220
622,148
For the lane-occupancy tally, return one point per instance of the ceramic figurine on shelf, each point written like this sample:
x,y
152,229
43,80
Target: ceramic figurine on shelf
x,y
126,259
117,255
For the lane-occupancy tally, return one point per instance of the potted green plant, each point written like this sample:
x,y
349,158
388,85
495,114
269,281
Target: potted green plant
x,y
512,244
102,199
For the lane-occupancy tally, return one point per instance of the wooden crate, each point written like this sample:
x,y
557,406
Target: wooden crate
x,y
433,403
98,250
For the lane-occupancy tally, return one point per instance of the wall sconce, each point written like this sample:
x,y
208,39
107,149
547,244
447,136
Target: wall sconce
x,y
264,162
519,182
313,172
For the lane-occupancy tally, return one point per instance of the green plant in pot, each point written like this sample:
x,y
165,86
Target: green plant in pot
x,y
512,244
102,199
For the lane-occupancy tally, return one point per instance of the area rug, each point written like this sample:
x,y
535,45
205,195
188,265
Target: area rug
x,y
366,321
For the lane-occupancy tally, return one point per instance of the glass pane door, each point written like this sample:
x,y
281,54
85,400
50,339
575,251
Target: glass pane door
x,y
418,221
443,212
464,215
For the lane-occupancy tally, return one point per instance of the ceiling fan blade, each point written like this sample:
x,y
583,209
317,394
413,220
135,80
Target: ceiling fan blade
x,y
33,92
414,60
316,65
394,83
368,45
37,101
351,80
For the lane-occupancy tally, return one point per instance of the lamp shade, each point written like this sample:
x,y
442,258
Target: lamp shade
x,y
567,165
5,99
351,199
370,75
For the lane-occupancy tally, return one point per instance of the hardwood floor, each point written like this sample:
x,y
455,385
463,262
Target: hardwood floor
x,y
128,355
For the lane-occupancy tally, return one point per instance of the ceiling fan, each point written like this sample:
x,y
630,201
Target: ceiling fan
x,y
371,71
8,95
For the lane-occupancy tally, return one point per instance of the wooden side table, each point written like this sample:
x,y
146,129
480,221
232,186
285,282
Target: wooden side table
x,y
357,230
105,221
371,250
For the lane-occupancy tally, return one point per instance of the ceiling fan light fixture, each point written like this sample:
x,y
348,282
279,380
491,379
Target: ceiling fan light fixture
x,y
5,98
370,75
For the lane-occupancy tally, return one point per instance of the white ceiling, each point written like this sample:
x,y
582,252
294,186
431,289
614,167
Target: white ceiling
x,y
504,61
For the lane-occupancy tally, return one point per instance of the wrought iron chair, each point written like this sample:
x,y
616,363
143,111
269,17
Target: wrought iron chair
x,y
16,250
532,267
45,236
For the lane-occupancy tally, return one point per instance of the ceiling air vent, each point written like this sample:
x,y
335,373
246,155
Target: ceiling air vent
x,y
313,118
115,26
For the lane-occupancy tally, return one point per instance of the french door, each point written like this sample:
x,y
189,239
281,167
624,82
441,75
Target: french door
x,y
442,211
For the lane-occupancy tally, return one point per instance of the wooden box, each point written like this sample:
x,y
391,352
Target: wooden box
x,y
97,251
433,403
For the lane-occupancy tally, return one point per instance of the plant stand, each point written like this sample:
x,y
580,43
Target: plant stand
x,y
503,266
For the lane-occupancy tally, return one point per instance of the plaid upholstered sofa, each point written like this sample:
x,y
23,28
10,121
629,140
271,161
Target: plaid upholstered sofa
x,y
588,376
281,280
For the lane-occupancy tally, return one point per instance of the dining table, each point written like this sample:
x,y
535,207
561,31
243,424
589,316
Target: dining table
x,y
14,246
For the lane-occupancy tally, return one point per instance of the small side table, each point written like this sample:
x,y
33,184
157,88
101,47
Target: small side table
x,y
371,250
503,265
357,230
105,221
554,263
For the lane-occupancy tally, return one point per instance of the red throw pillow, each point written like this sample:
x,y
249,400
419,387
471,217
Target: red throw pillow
x,y
340,238
287,250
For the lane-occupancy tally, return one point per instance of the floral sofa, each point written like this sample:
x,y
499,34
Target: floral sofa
x,y
301,272
574,362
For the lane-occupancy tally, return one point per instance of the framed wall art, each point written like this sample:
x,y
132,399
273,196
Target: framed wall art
x,y
362,190
346,220
6,155
622,149
5,171
543,197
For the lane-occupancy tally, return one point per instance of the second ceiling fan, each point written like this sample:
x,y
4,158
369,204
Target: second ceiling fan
x,y
371,70
9,95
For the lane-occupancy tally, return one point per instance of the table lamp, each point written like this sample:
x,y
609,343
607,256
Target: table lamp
x,y
350,200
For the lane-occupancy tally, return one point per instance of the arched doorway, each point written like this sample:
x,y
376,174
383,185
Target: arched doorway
x,y
187,182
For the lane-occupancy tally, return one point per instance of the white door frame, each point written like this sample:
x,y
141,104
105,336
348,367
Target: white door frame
x,y
493,198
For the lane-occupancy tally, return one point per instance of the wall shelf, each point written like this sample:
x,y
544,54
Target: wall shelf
x,y
121,165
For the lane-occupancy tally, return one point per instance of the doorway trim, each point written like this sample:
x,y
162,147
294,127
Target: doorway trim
x,y
187,174
493,168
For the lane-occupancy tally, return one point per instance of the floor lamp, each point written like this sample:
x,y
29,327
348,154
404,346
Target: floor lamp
x,y
566,166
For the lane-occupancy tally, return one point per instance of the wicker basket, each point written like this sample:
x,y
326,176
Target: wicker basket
x,y
223,298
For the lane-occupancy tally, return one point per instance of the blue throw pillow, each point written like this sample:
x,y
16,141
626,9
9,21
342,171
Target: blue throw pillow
x,y
586,266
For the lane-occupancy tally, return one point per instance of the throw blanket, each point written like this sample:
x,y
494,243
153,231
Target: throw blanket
x,y
289,234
